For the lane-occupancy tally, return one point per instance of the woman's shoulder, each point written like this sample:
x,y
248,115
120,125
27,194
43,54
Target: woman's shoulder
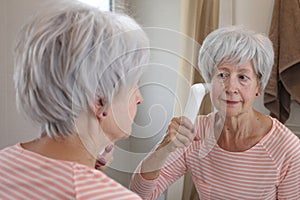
x,y
80,180
281,139
91,181
280,130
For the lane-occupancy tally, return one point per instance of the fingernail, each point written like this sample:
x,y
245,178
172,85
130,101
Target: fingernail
x,y
101,161
97,166
109,148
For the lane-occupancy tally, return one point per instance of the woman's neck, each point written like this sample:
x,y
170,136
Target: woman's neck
x,y
69,149
239,125
82,147
242,132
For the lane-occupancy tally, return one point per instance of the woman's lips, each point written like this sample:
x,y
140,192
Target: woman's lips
x,y
230,102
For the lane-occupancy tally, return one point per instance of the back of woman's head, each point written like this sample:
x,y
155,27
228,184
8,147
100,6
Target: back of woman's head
x,y
70,55
236,45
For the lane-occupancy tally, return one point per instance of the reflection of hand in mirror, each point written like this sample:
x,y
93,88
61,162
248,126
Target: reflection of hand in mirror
x,y
105,158
180,134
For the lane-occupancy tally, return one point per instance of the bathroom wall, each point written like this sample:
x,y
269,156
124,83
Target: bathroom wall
x,y
13,126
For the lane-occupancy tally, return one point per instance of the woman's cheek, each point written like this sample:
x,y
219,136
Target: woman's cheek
x,y
217,94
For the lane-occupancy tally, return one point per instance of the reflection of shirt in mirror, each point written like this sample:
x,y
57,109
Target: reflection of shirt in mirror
x,y
268,170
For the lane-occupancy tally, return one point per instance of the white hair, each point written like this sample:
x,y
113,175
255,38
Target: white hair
x,y
70,55
236,45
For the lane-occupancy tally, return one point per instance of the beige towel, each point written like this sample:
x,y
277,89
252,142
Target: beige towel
x,y
285,77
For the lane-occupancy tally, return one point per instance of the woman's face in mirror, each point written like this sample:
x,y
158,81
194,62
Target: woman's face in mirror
x,y
234,88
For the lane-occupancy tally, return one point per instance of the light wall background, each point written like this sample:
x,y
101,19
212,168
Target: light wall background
x,y
13,126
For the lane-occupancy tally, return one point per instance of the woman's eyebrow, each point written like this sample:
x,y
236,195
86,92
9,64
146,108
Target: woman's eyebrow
x,y
224,68
244,70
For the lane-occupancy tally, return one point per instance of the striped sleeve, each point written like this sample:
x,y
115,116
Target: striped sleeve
x,y
173,169
289,186
284,149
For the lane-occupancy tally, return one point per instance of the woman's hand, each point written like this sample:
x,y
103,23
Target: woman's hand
x,y
105,158
180,134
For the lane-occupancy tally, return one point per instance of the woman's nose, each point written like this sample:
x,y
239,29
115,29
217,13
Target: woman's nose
x,y
231,85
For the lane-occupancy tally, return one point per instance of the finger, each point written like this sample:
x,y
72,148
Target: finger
x,y
107,153
109,148
172,130
177,144
184,135
176,121
105,158
100,167
185,141
180,132
175,128
109,158
184,121
186,132
101,161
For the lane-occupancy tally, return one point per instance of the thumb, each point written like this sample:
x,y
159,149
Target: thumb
x,y
107,149
105,158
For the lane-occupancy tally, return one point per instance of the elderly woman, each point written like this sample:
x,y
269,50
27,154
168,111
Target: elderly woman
x,y
77,70
235,152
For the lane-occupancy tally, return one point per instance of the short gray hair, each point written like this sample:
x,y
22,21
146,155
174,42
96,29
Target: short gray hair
x,y
236,45
70,55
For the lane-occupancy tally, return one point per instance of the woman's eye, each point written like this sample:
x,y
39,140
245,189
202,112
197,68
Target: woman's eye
x,y
243,77
222,75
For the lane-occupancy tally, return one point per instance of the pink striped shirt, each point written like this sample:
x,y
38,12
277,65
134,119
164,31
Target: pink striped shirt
x,y
27,175
269,170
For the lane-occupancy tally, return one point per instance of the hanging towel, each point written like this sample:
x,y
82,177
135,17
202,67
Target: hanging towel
x,y
284,82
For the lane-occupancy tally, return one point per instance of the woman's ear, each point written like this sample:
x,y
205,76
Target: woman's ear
x,y
98,108
259,90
